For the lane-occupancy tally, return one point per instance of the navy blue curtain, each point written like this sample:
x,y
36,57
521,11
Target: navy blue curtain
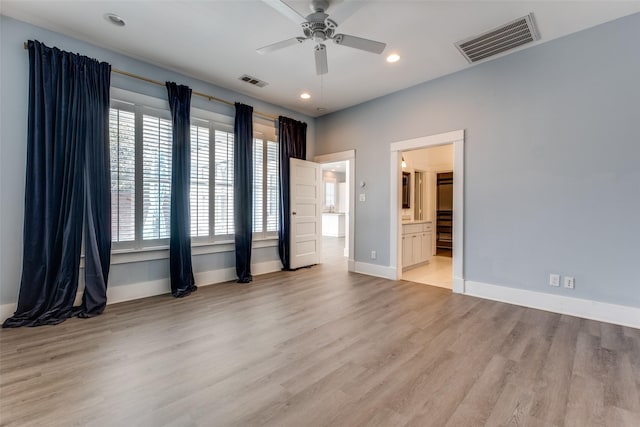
x,y
97,217
243,190
68,108
182,282
292,139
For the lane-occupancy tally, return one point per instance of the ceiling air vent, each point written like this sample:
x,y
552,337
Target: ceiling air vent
x,y
252,80
499,40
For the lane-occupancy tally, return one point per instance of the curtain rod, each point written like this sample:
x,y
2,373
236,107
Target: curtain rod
x,y
159,83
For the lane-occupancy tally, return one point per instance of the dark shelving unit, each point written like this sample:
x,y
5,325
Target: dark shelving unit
x,y
444,214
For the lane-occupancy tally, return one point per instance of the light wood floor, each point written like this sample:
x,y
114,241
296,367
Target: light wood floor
x,y
321,346
437,272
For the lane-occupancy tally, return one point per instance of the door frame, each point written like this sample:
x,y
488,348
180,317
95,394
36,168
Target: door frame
x,y
350,157
395,239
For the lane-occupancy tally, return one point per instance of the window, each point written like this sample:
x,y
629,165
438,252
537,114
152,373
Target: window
x,y
156,177
141,143
223,183
329,195
199,196
265,187
123,180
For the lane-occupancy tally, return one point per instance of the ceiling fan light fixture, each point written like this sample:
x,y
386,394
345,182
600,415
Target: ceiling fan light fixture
x,y
394,57
305,95
114,19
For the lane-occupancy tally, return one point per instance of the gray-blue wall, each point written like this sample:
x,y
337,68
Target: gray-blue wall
x,y
552,162
14,90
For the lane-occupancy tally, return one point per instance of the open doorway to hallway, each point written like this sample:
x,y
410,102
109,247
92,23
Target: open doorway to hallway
x,y
335,214
427,216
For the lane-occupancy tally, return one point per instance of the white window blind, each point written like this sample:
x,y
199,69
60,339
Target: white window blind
x,y
265,186
156,177
223,188
258,187
199,190
122,142
141,149
273,186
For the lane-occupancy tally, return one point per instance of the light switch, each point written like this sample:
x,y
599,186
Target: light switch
x,y
363,197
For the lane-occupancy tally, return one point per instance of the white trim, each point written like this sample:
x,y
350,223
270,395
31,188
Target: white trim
x,y
428,141
7,310
587,309
376,270
116,294
458,285
350,157
335,157
126,256
395,236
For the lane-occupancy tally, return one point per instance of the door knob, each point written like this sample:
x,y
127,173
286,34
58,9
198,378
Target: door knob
x,y
293,213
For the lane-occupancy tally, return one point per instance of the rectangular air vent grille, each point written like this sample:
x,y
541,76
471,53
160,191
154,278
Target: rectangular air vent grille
x,y
252,80
498,40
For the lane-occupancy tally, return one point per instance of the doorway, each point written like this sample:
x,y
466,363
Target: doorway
x,y
337,209
428,215
397,150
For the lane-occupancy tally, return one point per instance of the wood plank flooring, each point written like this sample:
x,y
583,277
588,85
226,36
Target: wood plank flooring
x,y
318,347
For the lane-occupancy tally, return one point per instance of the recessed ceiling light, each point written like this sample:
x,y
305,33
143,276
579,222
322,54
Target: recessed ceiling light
x,y
305,95
394,57
114,19
321,109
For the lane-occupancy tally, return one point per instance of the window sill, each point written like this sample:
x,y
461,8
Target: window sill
x,y
126,256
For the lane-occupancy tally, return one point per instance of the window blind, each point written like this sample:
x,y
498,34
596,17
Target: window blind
x,y
156,177
122,141
258,188
223,191
199,189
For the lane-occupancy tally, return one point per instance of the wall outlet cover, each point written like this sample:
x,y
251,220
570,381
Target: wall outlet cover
x,y
569,282
554,280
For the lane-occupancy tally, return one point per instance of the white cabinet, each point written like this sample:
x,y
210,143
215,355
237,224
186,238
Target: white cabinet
x,y
416,243
407,251
333,224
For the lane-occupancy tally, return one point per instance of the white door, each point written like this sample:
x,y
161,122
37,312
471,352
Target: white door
x,y
305,187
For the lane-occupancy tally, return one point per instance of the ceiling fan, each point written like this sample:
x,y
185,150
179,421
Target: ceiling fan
x,y
319,28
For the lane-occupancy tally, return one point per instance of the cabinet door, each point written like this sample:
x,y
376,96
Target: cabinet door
x,y
426,246
416,243
407,251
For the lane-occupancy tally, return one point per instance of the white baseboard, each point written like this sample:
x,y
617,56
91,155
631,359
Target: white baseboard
x,y
458,285
351,264
587,309
138,290
375,270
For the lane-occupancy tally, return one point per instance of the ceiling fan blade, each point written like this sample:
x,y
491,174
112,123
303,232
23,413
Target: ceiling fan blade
x,y
321,59
280,45
345,9
359,43
285,10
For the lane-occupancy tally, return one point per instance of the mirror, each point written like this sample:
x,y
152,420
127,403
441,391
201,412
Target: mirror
x,y
406,190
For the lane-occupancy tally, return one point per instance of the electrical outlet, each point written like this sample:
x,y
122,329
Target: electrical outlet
x,y
363,197
374,255
569,282
554,280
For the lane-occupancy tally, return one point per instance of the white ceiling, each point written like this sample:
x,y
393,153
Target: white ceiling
x,y
215,41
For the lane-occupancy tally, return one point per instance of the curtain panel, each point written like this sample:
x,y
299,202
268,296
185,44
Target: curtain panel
x,y
292,138
67,174
243,190
182,281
